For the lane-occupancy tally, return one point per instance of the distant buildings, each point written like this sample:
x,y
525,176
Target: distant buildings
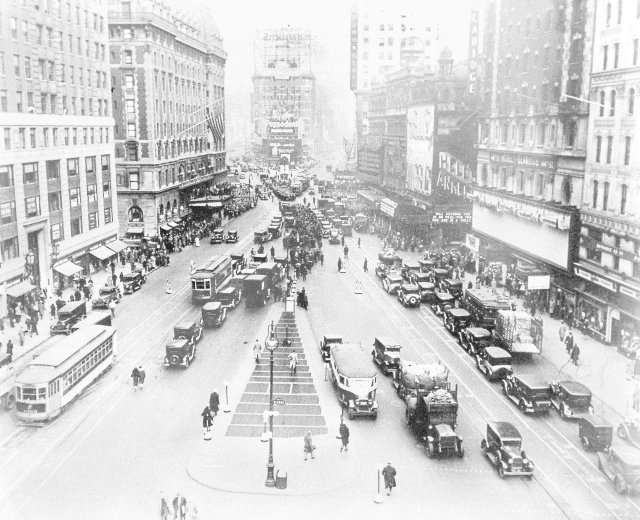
x,y
167,69
57,176
283,107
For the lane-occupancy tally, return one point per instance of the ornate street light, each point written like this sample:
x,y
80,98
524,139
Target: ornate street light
x,y
271,345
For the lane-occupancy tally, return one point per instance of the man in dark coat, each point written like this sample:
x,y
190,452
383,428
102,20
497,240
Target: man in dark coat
x,y
344,436
568,342
389,474
179,507
207,419
214,402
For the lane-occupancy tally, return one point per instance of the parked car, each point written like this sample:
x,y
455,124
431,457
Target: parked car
x,y
595,433
105,296
132,282
427,292
334,236
570,398
442,302
474,339
217,236
629,430
392,282
630,348
68,316
189,330
386,353
452,286
438,275
260,237
238,261
530,395
213,314
179,352
494,362
232,236
455,320
409,295
325,345
229,296
622,467
502,445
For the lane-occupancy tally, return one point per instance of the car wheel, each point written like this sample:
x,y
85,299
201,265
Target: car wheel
x,y
622,433
413,301
429,449
619,485
9,401
460,450
562,412
483,445
186,363
505,390
585,443
501,471
522,406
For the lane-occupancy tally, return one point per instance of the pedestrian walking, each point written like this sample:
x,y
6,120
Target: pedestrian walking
x,y
273,252
344,436
342,240
141,376
389,474
135,376
562,331
207,420
339,264
214,402
179,507
365,267
168,288
568,342
112,308
257,350
346,252
10,351
321,258
575,354
358,241
293,362
165,512
309,448
21,336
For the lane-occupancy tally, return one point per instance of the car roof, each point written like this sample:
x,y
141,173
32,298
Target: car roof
x,y
459,312
410,287
184,325
478,332
451,281
135,274
532,382
228,289
232,231
211,306
387,340
218,230
444,430
177,343
394,277
444,295
352,360
333,337
410,264
595,420
575,388
497,352
440,271
505,430
258,277
426,285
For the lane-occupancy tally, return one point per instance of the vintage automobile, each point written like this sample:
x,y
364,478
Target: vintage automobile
x,y
238,261
259,258
455,320
453,286
386,354
179,352
229,296
392,282
427,292
502,445
474,339
595,433
232,236
630,348
494,363
213,314
132,282
419,277
409,295
260,237
629,430
426,265
274,230
105,296
325,345
570,398
354,380
256,290
409,267
442,302
281,261
289,221
385,266
438,275
529,395
68,316
189,330
334,236
217,236
621,465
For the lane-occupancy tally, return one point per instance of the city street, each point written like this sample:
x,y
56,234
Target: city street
x,y
114,450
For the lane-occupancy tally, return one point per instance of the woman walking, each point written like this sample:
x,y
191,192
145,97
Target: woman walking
x,y
308,446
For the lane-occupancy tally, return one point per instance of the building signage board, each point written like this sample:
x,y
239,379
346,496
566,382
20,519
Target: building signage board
x,y
472,242
540,162
594,278
451,217
630,292
353,82
538,282
388,207
370,155
474,40
420,145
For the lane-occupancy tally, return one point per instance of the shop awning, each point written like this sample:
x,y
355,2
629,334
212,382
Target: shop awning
x,y
17,290
102,252
134,230
117,245
165,227
67,268
211,205
172,225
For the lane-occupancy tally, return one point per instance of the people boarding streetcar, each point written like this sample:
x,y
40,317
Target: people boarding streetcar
x,y
56,377
209,278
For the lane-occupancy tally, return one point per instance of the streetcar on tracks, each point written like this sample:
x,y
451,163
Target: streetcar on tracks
x,y
208,278
57,376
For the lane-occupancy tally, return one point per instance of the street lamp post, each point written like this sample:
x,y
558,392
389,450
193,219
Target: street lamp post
x,y
271,344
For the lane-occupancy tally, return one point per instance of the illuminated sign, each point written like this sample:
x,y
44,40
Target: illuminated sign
x,y
420,136
353,82
543,162
451,217
474,40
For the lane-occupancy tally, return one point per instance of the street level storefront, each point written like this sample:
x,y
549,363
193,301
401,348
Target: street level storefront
x,y
403,217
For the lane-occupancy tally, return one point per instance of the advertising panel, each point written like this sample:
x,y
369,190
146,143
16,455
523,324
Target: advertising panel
x,y
388,207
279,147
370,155
474,40
544,242
353,82
536,282
420,135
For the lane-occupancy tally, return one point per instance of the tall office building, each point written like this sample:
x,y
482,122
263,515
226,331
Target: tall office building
x,y
167,69
57,178
609,266
283,108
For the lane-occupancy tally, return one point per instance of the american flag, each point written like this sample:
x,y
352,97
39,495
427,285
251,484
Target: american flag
x,y
216,124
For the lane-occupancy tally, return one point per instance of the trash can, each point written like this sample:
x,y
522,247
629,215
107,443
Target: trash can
x,y
281,482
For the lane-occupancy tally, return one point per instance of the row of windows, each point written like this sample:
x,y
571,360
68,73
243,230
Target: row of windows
x,y
609,151
525,183
30,173
603,201
609,109
32,204
24,102
55,8
615,60
9,247
45,137
516,65
619,11
539,134
75,374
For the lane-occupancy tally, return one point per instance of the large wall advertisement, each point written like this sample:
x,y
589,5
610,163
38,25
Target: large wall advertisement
x,y
370,155
420,136
535,238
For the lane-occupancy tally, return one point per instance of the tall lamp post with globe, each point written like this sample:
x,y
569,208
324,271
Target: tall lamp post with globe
x,y
271,345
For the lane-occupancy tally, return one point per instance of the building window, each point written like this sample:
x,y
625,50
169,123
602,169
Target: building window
x,y
53,170
134,181
128,81
6,176
3,101
91,192
7,213
570,134
74,197
623,199
594,202
30,173
106,189
609,148
631,102
131,129
90,165
32,206
616,55
602,102
612,103
605,56
135,214
57,232
130,106
598,148
9,248
605,196
608,13
128,57
32,137
107,216
93,220
76,226
635,51
55,201
16,65
72,167
627,150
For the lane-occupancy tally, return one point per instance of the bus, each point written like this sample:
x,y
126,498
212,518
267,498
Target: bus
x,y
57,376
209,278
483,305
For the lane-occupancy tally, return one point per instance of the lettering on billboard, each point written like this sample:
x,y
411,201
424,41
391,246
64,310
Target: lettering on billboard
x,y
388,207
353,83
543,162
630,292
370,155
420,135
451,217
593,278
474,38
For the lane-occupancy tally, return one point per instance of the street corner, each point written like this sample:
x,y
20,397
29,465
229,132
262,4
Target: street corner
x,y
239,465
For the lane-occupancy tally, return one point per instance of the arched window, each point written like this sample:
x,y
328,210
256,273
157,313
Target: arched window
x,y
608,13
566,191
570,134
612,103
631,102
595,194
135,214
602,102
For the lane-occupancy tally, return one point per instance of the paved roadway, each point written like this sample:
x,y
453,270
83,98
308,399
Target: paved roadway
x,y
112,452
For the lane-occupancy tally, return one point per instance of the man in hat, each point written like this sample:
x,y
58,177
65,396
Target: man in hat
x,y
389,474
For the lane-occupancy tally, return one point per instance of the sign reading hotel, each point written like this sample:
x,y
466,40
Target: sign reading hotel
x,y
420,136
